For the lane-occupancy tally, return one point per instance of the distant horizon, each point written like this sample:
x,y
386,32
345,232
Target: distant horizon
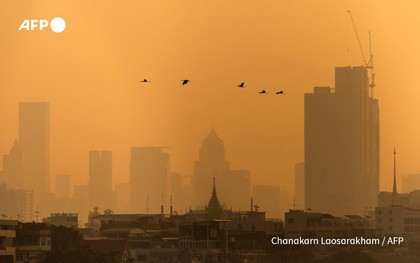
x,y
90,74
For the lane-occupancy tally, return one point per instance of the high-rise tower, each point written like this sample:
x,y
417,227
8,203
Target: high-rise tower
x,y
34,140
149,177
211,163
13,167
100,180
342,145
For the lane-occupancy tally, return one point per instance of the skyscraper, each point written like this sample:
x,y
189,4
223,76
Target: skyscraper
x,y
100,181
13,167
34,140
149,176
20,204
211,163
342,145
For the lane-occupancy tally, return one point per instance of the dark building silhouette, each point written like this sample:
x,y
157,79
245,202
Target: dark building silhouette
x,y
100,180
13,172
34,141
342,145
214,207
149,176
393,198
212,163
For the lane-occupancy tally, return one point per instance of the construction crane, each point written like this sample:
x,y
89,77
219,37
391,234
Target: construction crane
x,y
369,64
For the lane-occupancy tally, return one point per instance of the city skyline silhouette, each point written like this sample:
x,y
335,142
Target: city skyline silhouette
x,y
100,104
209,131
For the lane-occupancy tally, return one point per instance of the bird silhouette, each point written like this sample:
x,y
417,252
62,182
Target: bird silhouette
x,y
144,81
263,92
280,92
242,85
185,81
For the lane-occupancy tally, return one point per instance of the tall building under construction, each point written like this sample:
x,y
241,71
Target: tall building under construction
x,y
342,145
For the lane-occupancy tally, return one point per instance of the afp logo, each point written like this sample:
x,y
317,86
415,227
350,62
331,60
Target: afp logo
x,y
57,24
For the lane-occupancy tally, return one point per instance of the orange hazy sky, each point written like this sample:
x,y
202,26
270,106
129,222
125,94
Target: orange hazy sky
x,y
90,75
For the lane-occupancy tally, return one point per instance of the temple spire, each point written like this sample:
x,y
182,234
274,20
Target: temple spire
x,y
214,185
394,189
214,201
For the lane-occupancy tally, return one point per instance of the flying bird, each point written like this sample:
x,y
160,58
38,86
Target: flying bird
x,y
144,81
280,92
242,85
263,92
185,81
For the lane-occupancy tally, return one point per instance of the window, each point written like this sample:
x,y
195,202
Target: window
x,y
142,257
213,232
2,242
408,220
290,220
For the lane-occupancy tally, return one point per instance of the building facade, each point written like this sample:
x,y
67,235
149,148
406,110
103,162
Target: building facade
x,y
100,180
13,171
342,145
149,179
34,141
212,163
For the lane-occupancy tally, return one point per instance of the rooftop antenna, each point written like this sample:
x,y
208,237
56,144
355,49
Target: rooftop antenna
x,y
171,213
252,203
37,214
394,190
256,207
147,205
394,187
161,206
294,205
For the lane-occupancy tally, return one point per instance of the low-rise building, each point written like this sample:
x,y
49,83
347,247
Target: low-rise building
x,y
299,223
398,220
7,240
64,219
33,241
